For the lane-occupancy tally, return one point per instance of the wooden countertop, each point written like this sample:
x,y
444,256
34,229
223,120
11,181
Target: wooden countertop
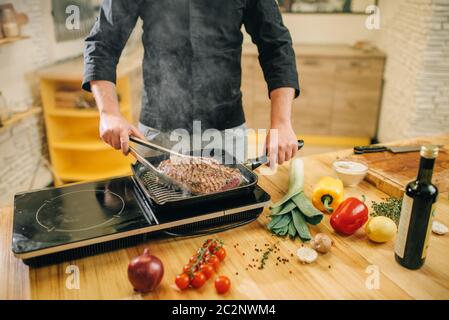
x,y
72,69
341,274
334,51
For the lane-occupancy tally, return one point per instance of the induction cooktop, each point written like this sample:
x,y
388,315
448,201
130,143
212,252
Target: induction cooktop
x,y
63,219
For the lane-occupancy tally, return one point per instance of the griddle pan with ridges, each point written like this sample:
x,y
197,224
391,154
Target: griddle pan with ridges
x,y
171,195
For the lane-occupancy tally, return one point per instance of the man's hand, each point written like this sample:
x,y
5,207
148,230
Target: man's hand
x,y
114,128
115,131
285,145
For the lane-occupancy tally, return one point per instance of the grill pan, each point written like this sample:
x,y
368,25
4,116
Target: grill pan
x,y
173,198
162,195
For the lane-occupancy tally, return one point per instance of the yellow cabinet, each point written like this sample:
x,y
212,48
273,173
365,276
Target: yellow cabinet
x,y
72,123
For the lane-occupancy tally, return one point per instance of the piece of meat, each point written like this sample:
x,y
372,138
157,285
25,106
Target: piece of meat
x,y
201,175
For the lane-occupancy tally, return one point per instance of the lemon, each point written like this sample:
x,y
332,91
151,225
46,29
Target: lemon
x,y
380,229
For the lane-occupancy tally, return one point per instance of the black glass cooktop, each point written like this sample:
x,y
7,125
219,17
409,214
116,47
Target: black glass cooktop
x,y
56,219
50,217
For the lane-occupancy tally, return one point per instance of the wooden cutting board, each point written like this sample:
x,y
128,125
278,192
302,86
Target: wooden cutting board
x,y
391,172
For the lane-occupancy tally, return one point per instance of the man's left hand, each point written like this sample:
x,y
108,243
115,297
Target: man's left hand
x,y
286,146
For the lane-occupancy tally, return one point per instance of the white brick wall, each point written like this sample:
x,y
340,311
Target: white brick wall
x,y
21,164
22,145
416,92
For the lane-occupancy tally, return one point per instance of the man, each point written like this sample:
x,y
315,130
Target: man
x,y
192,67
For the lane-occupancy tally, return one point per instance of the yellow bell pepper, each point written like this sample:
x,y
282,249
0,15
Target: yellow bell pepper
x,y
327,194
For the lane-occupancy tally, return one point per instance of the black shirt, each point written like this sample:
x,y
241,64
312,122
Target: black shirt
x,y
191,65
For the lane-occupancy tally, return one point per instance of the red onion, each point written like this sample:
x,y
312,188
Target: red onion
x,y
145,272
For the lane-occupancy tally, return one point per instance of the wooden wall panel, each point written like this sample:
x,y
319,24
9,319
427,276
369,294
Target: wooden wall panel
x,y
340,91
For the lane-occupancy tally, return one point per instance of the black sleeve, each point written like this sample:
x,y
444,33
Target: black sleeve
x,y
107,39
263,21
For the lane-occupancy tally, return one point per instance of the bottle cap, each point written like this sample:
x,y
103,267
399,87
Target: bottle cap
x,y
429,151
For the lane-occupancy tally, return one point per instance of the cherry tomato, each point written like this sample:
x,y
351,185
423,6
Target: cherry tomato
x,y
198,280
212,246
193,258
222,284
182,281
187,268
214,261
206,255
207,269
207,243
221,253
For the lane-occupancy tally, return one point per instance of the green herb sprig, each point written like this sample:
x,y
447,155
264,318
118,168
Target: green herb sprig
x,y
265,257
389,207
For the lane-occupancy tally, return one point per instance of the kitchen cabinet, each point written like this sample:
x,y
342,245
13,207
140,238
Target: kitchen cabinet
x,y
341,91
76,151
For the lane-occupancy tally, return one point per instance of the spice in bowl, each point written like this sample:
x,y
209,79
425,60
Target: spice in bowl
x,y
350,172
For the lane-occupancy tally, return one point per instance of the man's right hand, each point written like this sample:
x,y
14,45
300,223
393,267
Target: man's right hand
x,y
115,131
114,128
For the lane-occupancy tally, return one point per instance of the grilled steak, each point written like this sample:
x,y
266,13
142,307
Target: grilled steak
x,y
201,175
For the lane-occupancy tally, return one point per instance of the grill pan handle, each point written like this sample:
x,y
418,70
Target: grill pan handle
x,y
253,164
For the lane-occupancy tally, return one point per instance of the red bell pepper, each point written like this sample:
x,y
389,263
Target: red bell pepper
x,y
350,215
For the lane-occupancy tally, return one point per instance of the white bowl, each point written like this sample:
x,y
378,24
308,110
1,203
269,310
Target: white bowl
x,y
350,172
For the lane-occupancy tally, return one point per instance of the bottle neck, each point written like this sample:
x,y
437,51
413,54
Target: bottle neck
x,y
425,170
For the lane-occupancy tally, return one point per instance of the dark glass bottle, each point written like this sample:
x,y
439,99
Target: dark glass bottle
x,y
416,214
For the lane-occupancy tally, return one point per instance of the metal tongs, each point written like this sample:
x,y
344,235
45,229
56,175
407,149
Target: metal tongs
x,y
153,146
251,164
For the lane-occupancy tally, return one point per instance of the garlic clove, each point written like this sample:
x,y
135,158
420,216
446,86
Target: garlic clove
x,y
439,228
306,255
